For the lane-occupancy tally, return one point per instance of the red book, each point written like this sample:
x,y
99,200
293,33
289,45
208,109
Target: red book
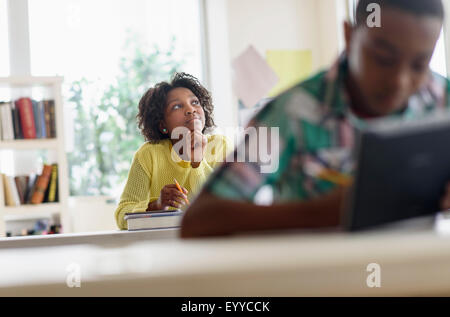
x,y
26,117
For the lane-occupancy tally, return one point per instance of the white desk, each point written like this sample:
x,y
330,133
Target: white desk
x,y
414,261
116,238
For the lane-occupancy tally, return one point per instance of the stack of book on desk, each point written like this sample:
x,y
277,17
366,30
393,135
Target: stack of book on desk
x,y
158,219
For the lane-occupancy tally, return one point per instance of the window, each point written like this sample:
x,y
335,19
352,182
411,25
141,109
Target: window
x,y
438,62
4,45
83,38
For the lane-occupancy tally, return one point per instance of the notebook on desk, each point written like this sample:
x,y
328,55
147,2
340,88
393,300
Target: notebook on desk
x,y
158,219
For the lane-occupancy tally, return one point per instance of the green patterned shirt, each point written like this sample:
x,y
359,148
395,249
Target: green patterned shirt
x,y
316,126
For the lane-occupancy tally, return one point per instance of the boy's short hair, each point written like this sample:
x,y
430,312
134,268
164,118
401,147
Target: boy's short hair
x,y
153,104
432,8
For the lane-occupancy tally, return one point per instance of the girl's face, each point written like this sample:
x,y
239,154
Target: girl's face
x,y
183,109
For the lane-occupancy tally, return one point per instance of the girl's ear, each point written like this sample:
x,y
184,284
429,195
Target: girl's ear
x,y
162,128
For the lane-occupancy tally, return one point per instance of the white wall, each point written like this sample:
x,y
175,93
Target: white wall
x,y
331,17
288,24
233,25
92,213
272,24
218,62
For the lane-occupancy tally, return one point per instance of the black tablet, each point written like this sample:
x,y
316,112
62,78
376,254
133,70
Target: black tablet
x,y
401,171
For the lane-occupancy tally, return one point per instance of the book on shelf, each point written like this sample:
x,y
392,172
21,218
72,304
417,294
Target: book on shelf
x,y
47,117
37,121
31,189
41,185
57,187
21,185
53,184
11,193
18,131
41,116
50,119
26,118
24,106
51,194
7,191
7,121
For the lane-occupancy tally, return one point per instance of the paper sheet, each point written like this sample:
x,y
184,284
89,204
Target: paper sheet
x,y
253,78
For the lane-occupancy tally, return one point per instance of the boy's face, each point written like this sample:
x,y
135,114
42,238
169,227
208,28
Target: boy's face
x,y
183,109
390,63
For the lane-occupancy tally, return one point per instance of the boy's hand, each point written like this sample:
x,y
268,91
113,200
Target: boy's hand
x,y
209,215
170,196
445,201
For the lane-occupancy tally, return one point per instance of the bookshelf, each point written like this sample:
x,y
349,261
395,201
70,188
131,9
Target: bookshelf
x,y
58,210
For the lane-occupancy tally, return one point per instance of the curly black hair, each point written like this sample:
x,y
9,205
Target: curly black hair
x,y
153,104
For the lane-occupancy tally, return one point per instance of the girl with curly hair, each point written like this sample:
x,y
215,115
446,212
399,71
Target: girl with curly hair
x,y
182,104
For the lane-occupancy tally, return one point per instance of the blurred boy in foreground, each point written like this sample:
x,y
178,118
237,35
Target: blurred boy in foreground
x,y
384,71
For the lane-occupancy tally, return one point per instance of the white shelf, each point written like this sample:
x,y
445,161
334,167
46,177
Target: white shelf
x,y
30,144
30,211
52,87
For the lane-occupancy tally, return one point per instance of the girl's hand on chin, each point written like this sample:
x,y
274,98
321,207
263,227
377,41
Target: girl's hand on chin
x,y
198,145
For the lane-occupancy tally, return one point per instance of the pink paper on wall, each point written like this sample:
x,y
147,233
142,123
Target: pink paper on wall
x,y
253,78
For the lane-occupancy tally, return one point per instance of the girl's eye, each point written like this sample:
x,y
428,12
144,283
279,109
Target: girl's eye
x,y
177,106
195,102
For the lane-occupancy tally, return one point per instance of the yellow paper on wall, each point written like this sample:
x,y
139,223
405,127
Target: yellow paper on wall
x,y
291,66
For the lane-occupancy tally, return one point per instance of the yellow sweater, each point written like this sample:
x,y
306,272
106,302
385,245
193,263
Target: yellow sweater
x,y
156,165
